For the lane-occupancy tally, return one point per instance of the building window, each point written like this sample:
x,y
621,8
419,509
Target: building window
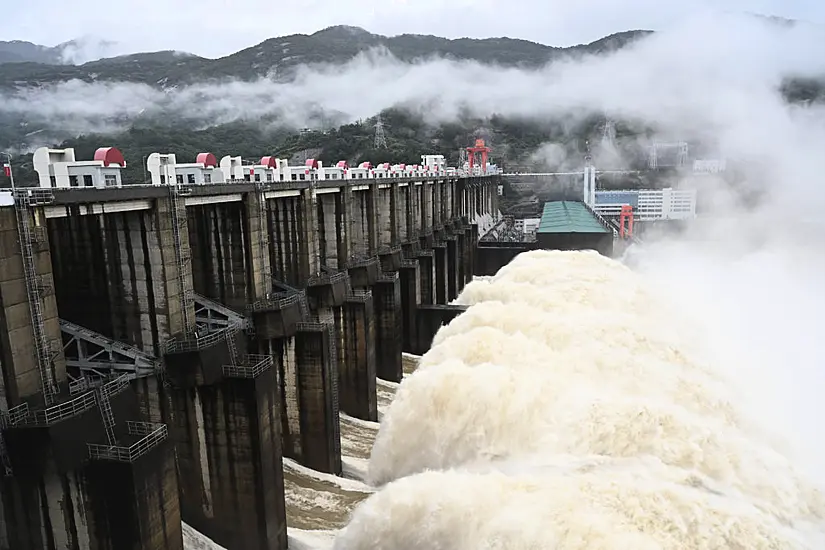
x,y
110,180
162,179
282,177
52,181
190,178
73,181
207,178
87,180
269,176
295,177
179,178
257,177
246,177
303,176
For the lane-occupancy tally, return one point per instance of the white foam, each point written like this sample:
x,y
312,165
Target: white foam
x,y
570,408
355,468
340,482
300,539
363,424
195,540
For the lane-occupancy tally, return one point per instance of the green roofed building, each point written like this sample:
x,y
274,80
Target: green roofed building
x,y
571,225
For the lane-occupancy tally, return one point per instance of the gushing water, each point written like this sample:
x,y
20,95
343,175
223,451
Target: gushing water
x,y
569,408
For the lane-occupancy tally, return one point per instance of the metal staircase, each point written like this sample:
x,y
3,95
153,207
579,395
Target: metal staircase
x,y
103,396
146,435
108,417
233,348
263,239
35,290
183,255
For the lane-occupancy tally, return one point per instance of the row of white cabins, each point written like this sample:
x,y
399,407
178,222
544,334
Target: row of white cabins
x,y
58,168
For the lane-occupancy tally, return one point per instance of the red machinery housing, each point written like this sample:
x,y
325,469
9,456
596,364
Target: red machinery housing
x,y
626,219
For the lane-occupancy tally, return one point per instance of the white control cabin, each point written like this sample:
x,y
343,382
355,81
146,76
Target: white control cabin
x,y
58,168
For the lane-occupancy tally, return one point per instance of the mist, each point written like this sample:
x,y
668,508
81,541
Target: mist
x,y
753,276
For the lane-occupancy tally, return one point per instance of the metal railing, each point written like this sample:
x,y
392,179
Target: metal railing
x,y
327,278
34,196
251,366
116,386
150,436
313,325
17,415
356,261
78,385
388,277
68,409
359,295
275,301
198,342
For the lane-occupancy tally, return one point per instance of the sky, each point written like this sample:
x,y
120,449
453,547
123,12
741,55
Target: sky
x,y
214,28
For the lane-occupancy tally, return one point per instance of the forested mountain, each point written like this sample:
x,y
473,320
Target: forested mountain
x,y
24,126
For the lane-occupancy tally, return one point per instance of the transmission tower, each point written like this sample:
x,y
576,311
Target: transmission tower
x,y
609,134
380,138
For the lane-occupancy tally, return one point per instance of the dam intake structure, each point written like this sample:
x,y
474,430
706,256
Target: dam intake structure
x,y
164,347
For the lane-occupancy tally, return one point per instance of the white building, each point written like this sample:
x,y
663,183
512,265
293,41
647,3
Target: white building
x,y
363,171
526,225
268,169
164,167
648,204
307,172
397,170
59,168
435,164
337,172
381,171
232,168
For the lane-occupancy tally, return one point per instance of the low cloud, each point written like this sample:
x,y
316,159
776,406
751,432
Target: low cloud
x,y
754,273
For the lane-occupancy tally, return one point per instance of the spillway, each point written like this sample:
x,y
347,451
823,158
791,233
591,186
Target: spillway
x,y
570,407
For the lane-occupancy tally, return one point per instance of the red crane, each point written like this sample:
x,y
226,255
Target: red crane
x,y
482,151
626,216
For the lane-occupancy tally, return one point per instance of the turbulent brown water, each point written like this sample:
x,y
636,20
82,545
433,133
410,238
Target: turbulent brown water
x,y
568,408
318,505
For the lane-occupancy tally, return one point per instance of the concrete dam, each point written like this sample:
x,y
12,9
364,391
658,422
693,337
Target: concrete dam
x,y
163,348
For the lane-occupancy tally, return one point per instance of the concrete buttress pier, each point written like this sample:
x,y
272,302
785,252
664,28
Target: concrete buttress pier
x,y
162,348
356,358
388,314
317,394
